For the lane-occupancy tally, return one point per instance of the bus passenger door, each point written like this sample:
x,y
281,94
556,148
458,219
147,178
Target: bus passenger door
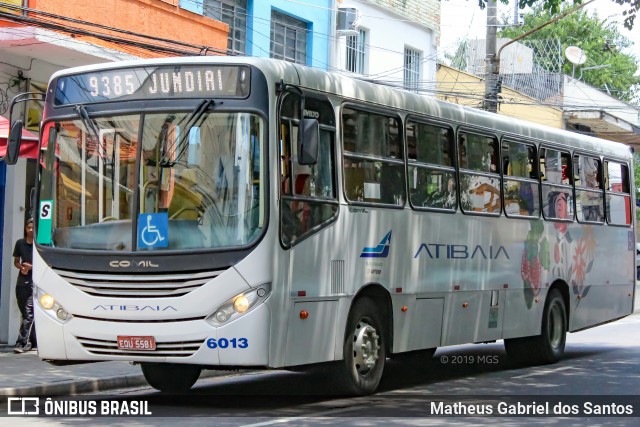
x,y
308,209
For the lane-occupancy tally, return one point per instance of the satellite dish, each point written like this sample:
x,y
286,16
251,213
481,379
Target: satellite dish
x,y
575,55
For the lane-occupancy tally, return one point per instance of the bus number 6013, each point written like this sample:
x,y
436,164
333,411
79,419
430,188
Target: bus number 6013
x,y
227,343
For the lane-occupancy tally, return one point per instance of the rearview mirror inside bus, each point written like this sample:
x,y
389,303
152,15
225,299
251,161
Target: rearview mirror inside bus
x,y
13,145
308,139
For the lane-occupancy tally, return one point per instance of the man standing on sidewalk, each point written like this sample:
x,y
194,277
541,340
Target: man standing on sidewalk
x,y
22,259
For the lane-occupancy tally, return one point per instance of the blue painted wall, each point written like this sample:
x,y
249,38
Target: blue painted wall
x,y
316,13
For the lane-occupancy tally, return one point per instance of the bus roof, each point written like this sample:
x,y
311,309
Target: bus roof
x,y
383,96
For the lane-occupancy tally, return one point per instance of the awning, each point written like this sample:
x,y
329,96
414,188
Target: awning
x,y
606,126
29,146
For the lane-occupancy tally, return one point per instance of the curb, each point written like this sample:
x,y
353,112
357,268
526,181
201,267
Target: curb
x,y
72,388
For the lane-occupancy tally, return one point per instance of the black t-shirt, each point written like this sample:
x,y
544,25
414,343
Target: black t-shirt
x,y
24,250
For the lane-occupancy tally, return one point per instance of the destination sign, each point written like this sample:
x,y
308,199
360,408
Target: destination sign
x,y
174,81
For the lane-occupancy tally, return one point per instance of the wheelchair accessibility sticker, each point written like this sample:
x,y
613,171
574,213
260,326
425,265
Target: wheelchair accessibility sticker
x,y
153,230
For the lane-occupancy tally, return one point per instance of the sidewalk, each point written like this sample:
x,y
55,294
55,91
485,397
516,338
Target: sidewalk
x,y
26,375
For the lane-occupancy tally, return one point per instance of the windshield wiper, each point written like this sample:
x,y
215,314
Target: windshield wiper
x,y
86,121
102,151
191,120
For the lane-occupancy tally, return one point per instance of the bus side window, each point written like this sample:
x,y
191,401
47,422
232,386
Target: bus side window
x,y
617,193
589,195
520,183
557,190
432,181
373,166
308,192
479,173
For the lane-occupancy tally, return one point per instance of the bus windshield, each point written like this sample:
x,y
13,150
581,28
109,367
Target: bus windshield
x,y
162,181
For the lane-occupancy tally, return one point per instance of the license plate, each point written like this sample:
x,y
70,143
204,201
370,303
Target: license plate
x,y
136,343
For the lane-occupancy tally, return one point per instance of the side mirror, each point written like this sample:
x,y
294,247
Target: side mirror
x,y
308,141
13,146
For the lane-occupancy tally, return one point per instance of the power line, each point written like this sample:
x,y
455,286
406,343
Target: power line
x,y
126,43
48,24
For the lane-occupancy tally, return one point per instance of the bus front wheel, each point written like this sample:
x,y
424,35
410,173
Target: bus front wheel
x,y
548,347
169,377
364,348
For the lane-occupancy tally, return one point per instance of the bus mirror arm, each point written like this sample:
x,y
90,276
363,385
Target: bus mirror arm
x,y
15,135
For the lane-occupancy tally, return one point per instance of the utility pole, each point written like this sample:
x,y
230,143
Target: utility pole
x,y
493,80
490,102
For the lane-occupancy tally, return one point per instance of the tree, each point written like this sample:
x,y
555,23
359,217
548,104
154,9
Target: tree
x,y
554,6
600,40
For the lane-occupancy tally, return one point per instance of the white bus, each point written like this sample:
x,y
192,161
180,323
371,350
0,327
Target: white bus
x,y
207,213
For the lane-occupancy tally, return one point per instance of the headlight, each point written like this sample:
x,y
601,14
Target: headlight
x,y
51,306
240,305
46,301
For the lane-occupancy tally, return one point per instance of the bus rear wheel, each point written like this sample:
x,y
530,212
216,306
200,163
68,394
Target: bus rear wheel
x,y
548,347
364,348
170,377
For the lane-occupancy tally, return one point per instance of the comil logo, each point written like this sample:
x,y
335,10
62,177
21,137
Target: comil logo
x,y
23,406
380,251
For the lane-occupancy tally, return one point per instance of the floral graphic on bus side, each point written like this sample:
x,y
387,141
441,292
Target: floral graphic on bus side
x,y
572,259
583,258
534,257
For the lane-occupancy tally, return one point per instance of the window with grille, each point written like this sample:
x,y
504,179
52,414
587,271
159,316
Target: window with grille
x,y
355,61
411,69
288,38
234,14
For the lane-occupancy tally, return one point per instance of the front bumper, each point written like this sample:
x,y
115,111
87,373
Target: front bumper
x,y
245,340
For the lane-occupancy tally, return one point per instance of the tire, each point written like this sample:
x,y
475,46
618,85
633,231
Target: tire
x,y
364,349
548,347
169,377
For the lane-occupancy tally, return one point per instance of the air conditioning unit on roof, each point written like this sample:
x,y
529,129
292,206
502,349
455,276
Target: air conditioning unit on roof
x,y
347,21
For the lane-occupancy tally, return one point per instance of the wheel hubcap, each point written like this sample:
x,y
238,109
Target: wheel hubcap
x,y
366,347
555,325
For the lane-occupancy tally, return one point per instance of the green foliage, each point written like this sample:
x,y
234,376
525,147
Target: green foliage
x,y
599,39
554,6
459,58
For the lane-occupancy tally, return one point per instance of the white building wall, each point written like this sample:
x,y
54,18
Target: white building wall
x,y
13,230
388,35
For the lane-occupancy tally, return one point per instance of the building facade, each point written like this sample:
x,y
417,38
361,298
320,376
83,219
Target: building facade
x,y
393,42
296,31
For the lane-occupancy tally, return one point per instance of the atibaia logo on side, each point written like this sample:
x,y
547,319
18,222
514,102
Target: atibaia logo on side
x,y
380,251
